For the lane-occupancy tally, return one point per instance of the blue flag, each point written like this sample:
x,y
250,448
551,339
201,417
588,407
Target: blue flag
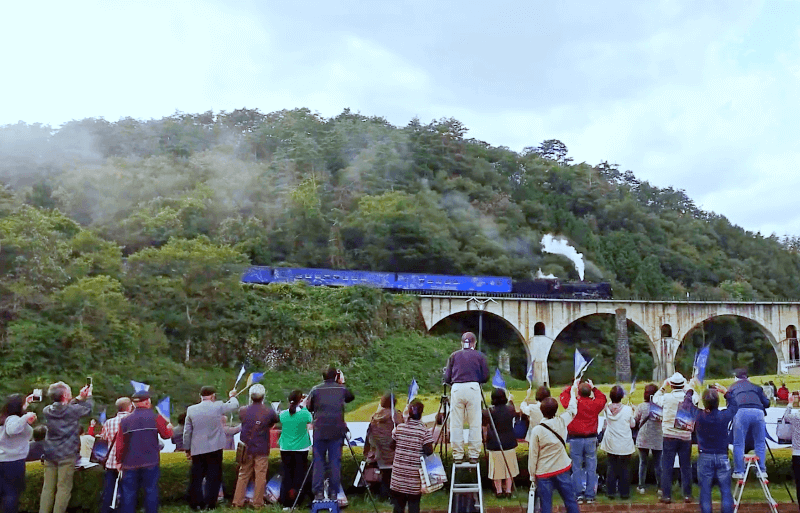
x,y
139,387
413,389
102,417
700,363
163,407
497,380
529,376
254,378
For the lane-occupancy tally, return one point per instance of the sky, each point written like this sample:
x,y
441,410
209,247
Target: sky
x,y
700,96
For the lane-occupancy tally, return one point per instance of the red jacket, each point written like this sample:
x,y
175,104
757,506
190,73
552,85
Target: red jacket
x,y
585,422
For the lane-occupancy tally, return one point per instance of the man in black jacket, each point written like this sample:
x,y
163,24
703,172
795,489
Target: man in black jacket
x,y
752,404
326,401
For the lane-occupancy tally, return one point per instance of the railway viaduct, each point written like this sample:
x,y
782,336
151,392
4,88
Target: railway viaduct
x,y
538,323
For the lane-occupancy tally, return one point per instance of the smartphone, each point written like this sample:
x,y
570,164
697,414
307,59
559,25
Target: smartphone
x,y
37,395
88,381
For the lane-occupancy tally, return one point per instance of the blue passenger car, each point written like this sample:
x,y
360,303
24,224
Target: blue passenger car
x,y
442,282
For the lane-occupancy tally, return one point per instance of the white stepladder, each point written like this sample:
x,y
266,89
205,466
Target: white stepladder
x,y
474,487
751,461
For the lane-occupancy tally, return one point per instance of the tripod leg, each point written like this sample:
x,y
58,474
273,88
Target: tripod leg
x,y
355,460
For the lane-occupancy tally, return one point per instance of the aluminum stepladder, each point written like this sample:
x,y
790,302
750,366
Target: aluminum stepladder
x,y
457,488
751,461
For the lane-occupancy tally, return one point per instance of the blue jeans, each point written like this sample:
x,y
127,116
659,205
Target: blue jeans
x,y
561,482
749,419
12,484
710,466
109,482
683,448
643,466
583,452
145,478
327,459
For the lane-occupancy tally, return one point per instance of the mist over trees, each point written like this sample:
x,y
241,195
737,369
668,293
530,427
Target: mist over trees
x,y
127,237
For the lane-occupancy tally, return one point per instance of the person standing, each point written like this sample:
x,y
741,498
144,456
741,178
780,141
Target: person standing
x,y
752,403
139,453
503,466
794,420
413,440
15,431
62,444
257,419
110,433
379,442
548,456
618,444
177,433
326,401
711,427
675,441
650,440
294,443
203,441
583,438
466,371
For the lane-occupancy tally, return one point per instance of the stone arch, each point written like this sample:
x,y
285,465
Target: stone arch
x,y
654,350
774,342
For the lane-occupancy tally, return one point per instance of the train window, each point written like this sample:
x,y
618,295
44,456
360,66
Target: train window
x,y
666,331
538,329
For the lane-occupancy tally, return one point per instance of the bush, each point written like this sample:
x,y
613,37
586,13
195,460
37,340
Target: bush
x,y
88,485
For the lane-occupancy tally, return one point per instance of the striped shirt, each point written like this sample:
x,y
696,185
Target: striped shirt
x,y
110,431
410,438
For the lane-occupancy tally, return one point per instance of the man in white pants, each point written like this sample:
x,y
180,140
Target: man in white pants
x,y
466,370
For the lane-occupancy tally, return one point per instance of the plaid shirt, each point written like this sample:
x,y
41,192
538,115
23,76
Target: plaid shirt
x,y
111,431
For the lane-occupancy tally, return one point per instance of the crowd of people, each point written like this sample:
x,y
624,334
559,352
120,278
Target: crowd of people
x,y
562,447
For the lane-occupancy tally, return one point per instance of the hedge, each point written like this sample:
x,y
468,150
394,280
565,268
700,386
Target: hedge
x,y
88,484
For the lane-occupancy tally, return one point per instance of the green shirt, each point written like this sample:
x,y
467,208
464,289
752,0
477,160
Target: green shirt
x,y
294,430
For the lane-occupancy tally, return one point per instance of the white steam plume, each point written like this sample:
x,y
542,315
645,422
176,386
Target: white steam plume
x,y
559,246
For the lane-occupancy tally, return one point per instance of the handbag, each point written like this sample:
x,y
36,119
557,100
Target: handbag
x,y
241,452
784,430
521,429
686,416
101,450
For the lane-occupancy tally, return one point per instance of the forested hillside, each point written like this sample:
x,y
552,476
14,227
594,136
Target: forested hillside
x,y
123,241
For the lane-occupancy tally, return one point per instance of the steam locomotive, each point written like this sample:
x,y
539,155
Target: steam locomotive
x,y
431,283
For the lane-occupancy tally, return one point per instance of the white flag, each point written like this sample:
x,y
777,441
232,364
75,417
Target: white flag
x,y
580,363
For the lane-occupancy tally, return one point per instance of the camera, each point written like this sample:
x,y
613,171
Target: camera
x,y
88,381
37,395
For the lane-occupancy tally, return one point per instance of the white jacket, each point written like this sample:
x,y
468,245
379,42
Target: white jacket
x,y
618,438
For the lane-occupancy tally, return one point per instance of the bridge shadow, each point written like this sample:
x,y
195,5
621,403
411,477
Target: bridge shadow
x,y
735,342
498,335
595,337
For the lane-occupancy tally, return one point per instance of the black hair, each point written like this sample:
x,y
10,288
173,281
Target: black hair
x,y
182,418
207,391
541,393
39,433
711,399
415,410
649,391
14,405
616,394
549,407
499,397
329,373
295,397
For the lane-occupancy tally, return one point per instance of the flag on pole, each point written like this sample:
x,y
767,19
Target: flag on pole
x,y
239,377
139,387
254,378
529,376
580,363
497,380
700,363
633,386
102,417
163,407
413,389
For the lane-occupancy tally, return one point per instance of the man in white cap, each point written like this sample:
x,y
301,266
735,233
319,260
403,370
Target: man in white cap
x,y
676,441
257,419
